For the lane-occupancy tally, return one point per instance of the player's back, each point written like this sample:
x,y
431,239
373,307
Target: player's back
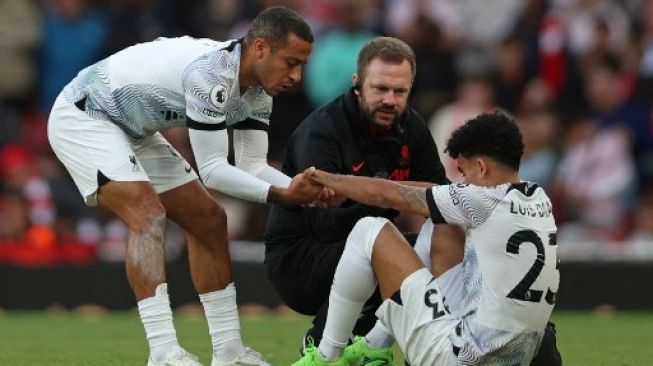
x,y
140,88
510,277
160,62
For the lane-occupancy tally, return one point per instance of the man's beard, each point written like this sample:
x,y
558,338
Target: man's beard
x,y
370,116
368,113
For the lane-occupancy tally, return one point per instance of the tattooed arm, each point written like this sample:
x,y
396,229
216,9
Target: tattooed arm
x,y
375,192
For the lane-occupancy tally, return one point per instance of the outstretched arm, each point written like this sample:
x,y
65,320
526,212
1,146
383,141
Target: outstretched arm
x,y
207,97
374,191
251,154
211,148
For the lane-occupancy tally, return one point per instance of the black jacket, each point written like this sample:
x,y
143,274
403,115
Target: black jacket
x,y
336,138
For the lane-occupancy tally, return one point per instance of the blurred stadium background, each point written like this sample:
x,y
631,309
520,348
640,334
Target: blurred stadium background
x,y
577,75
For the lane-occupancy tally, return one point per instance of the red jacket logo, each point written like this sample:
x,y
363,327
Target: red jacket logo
x,y
404,155
400,174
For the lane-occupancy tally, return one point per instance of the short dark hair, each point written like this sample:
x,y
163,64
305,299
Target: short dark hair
x,y
388,49
275,24
494,135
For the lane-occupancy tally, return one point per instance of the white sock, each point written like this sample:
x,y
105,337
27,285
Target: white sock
x,y
339,324
379,337
224,327
353,284
156,316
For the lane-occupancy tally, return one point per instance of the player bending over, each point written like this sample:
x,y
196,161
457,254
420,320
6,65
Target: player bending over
x,y
106,125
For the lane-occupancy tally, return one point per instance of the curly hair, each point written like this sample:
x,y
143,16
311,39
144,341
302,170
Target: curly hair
x,y
494,135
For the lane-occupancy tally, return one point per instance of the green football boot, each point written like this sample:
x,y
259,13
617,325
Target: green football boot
x,y
312,358
360,354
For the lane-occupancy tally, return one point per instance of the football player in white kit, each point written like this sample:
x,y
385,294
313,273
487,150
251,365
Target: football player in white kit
x,y
509,271
105,128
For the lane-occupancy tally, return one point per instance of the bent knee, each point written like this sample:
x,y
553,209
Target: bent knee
x,y
151,217
217,217
211,220
369,226
365,232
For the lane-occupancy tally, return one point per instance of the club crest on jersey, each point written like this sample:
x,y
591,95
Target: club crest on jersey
x,y
218,95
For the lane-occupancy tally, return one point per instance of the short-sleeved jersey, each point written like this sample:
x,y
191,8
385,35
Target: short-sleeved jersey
x,y
510,276
168,83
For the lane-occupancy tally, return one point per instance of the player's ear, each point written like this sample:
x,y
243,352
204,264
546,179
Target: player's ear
x,y
260,46
483,167
356,83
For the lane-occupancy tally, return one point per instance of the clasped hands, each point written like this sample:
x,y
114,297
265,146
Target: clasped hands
x,y
309,190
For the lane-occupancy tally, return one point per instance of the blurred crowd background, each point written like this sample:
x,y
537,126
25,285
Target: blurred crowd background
x,y
576,74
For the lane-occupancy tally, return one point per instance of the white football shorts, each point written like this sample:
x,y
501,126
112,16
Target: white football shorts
x,y
420,322
93,150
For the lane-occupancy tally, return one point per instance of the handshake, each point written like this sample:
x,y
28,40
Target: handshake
x,y
311,187
323,189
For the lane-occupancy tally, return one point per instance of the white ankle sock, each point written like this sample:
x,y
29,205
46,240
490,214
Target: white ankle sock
x,y
379,337
156,316
224,327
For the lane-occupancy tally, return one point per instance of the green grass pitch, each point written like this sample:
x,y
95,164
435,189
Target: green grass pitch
x,y
70,339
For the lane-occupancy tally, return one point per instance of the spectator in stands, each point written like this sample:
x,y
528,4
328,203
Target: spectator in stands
x,y
646,69
643,221
436,78
14,218
538,131
19,27
74,36
510,78
474,28
334,57
594,183
19,174
592,24
136,21
537,96
611,108
475,95
566,42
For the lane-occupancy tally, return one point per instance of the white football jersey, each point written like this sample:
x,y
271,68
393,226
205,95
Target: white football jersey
x,y
156,85
510,276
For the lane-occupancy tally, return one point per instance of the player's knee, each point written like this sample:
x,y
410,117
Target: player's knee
x,y
368,226
136,203
152,216
218,218
212,219
365,232
369,223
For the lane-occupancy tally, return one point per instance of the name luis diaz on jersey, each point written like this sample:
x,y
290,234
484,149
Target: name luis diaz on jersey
x,y
534,209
